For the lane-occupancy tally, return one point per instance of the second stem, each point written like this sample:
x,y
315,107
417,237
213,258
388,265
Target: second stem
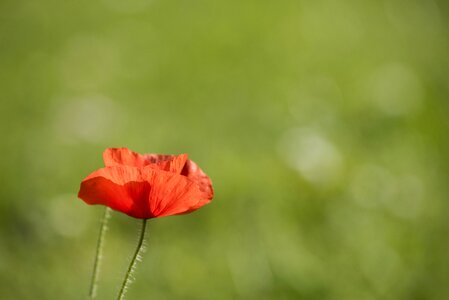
x,y
126,280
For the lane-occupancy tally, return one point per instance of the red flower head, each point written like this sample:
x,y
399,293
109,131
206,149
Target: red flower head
x,y
147,185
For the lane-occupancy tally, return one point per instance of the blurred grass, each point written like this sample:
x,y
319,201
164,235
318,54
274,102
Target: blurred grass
x,y
323,125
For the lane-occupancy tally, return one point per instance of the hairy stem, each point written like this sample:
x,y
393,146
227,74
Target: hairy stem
x,y
132,265
98,253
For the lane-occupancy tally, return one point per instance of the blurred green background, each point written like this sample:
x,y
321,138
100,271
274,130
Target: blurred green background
x,y
323,125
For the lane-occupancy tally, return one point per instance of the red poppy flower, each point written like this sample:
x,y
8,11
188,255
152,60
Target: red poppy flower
x,y
147,185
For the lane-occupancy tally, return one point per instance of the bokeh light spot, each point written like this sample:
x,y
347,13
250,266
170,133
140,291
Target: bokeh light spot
x,y
313,155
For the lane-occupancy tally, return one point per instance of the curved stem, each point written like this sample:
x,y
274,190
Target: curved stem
x,y
132,265
98,253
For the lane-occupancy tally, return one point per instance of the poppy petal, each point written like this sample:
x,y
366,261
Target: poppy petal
x,y
175,164
192,171
173,194
127,157
123,156
120,188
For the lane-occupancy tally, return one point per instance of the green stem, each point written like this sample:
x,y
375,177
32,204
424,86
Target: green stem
x,y
132,265
98,253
